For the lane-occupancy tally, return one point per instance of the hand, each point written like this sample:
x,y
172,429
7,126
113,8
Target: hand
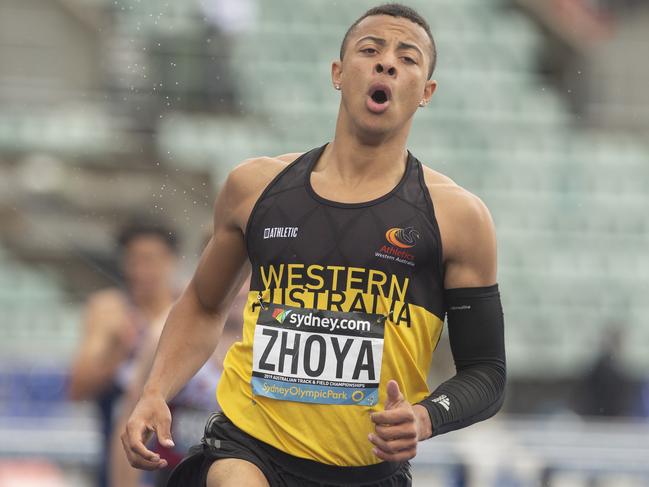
x,y
151,414
399,427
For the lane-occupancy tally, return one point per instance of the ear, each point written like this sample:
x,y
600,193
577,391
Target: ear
x,y
429,89
337,72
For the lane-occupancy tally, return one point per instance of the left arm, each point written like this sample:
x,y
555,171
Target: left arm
x,y
476,335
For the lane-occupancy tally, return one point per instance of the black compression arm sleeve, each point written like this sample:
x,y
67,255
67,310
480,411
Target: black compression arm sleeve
x,y
476,334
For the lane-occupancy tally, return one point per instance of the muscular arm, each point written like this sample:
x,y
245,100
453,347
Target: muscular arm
x,y
474,314
195,322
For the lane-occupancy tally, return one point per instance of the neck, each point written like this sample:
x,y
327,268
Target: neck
x,y
356,154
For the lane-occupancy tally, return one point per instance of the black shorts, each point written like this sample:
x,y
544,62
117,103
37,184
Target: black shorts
x,y
223,439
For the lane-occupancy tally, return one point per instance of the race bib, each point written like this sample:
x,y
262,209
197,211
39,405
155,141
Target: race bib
x,y
317,356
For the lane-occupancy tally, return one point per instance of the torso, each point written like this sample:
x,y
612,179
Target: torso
x,y
378,262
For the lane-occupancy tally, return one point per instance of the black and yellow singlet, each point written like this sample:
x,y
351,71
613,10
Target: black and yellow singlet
x,y
343,297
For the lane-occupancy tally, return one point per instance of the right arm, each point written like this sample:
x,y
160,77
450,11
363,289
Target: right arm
x,y
195,322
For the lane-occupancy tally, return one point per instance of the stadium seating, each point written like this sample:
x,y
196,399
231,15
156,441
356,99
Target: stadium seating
x,y
38,322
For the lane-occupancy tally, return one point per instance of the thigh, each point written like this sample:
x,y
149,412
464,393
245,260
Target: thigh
x,y
233,472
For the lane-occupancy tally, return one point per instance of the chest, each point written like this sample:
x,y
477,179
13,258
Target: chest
x,y
391,238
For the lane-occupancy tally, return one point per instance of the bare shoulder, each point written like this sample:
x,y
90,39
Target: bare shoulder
x,y
245,183
467,231
454,202
257,172
289,157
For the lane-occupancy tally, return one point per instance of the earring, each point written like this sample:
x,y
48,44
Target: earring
x,y
337,87
422,103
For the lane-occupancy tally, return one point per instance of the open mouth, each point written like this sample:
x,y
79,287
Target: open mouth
x,y
378,99
379,96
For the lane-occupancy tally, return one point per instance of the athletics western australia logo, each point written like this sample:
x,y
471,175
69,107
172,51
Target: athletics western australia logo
x,y
403,238
280,314
400,240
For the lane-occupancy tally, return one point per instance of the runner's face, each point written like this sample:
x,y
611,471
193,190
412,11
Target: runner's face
x,y
384,74
148,264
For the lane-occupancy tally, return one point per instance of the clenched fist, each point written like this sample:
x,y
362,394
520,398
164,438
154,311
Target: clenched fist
x,y
399,427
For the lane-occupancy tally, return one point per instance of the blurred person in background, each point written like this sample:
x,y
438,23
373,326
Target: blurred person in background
x,y
190,407
606,389
118,321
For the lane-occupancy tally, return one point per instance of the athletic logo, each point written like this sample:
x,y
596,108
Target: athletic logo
x,y
280,315
403,238
280,232
443,401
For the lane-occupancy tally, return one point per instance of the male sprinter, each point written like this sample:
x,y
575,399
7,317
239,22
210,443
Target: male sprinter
x,y
356,252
